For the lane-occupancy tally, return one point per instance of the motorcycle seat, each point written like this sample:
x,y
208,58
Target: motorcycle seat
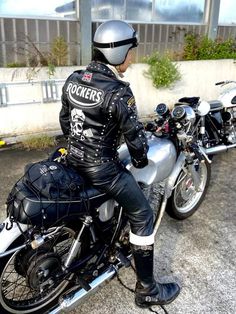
x,y
215,105
28,207
189,100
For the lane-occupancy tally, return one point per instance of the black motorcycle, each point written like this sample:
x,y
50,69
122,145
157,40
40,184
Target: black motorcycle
x,y
62,238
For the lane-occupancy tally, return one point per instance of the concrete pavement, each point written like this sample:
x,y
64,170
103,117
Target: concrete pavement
x,y
200,252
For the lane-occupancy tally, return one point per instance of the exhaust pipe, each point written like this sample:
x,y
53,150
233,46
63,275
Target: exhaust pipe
x,y
72,299
218,149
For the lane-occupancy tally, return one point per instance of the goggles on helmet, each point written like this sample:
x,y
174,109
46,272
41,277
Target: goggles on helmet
x,y
133,41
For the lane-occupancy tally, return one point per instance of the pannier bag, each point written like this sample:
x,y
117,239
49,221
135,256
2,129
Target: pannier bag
x,y
53,180
47,192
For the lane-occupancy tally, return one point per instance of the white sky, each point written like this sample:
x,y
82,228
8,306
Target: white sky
x,y
25,7
227,11
47,7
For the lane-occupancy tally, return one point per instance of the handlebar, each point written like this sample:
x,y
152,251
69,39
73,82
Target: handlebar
x,y
225,82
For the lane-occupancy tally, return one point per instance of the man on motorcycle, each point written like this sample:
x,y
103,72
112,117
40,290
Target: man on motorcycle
x,y
97,108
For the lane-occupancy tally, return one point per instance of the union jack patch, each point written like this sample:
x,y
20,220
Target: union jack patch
x,y
87,77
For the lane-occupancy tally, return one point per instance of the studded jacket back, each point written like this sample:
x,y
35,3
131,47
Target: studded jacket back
x,y
97,109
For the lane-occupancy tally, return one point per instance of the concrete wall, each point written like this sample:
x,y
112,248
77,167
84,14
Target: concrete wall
x,y
198,79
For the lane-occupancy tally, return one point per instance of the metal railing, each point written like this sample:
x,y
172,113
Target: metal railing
x,y
16,32
36,92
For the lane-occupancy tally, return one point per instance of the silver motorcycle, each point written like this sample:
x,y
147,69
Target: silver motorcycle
x,y
55,252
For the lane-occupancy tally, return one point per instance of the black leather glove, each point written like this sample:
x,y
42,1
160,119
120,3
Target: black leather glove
x,y
141,163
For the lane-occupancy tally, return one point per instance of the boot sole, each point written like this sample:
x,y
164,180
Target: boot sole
x,y
147,305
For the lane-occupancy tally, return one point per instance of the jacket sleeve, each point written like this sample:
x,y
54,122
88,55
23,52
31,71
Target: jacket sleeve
x,y
64,116
126,114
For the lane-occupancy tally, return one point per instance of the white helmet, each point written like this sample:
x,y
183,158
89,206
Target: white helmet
x,y
114,39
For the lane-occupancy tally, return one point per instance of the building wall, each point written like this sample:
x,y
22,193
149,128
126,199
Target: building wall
x,y
42,116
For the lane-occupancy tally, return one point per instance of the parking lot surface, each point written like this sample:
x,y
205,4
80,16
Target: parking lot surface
x,y
199,252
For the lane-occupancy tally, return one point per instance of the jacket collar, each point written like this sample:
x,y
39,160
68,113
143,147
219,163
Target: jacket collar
x,y
114,70
107,69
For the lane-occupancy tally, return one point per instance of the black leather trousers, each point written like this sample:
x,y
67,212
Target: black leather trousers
x,y
115,180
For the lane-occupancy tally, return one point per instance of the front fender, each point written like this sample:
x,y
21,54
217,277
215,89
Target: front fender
x,y
7,237
174,174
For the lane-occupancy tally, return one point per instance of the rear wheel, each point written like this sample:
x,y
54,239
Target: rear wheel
x,y
186,197
28,281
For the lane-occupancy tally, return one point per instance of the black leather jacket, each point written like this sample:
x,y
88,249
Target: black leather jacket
x,y
97,108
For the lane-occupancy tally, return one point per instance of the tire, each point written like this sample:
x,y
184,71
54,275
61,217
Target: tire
x,y
22,289
153,194
185,200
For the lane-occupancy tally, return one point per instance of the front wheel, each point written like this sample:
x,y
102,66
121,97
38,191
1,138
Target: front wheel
x,y
186,197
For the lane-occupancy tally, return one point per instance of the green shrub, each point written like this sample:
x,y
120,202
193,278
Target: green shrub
x,y
57,55
51,70
162,70
202,48
59,52
37,58
16,65
38,142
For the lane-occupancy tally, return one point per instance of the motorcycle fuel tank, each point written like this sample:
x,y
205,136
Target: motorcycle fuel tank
x,y
228,97
161,161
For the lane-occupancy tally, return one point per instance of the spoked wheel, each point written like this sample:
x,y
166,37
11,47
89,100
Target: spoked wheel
x,y
186,197
28,281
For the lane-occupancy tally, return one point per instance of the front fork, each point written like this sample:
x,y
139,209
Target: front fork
x,y
169,186
191,168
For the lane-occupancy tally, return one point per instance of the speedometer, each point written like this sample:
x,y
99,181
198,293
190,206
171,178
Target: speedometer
x,y
178,112
162,109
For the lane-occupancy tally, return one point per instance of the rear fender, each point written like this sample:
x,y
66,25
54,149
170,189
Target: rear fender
x,y
7,237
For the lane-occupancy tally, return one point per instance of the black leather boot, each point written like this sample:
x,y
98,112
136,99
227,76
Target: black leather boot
x,y
148,291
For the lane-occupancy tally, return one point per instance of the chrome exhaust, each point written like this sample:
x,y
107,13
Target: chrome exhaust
x,y
218,149
71,299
